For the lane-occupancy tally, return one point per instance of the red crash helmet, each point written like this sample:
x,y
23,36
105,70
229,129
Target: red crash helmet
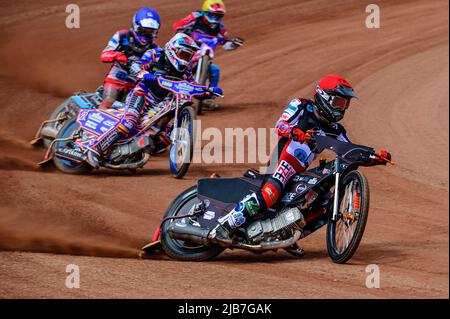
x,y
333,95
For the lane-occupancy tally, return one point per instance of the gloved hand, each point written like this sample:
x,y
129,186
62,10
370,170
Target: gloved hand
x,y
233,44
121,58
135,69
147,77
111,56
238,41
383,155
298,135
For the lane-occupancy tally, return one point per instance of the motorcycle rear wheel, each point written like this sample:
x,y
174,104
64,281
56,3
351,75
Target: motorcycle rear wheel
x,y
350,226
182,250
69,128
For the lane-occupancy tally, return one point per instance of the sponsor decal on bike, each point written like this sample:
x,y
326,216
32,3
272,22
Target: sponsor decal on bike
x,y
109,123
96,117
70,154
313,181
288,197
92,125
301,188
82,115
209,215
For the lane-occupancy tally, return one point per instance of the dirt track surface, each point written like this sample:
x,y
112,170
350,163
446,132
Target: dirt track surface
x,y
99,222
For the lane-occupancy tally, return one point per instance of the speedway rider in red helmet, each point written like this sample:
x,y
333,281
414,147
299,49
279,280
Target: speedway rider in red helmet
x,y
301,118
208,21
127,46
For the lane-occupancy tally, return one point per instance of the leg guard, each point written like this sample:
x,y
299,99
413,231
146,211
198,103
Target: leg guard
x,y
288,165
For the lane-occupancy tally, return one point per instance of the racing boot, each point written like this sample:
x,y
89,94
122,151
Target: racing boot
x,y
245,209
211,104
95,154
93,158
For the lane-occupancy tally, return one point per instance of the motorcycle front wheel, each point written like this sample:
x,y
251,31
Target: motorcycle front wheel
x,y
179,249
182,149
345,234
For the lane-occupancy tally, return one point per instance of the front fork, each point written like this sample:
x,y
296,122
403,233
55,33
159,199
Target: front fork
x,y
174,134
199,69
337,173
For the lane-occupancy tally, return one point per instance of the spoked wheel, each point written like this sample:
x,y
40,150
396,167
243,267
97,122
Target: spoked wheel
x,y
65,165
345,234
179,249
182,149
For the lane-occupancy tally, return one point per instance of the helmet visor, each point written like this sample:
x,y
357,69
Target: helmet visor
x,y
147,32
340,103
214,16
185,55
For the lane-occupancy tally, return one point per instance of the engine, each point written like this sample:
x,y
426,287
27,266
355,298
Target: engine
x,y
280,227
135,147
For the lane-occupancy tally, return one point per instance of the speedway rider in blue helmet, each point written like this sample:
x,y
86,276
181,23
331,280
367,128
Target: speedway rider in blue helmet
x,y
126,46
172,61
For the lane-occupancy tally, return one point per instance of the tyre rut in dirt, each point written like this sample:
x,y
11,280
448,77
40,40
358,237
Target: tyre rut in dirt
x,y
203,80
354,182
66,166
182,152
178,249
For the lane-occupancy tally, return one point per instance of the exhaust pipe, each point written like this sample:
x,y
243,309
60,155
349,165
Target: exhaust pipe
x,y
185,231
272,245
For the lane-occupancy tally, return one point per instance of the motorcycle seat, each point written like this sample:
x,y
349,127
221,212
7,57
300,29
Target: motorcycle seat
x,y
226,190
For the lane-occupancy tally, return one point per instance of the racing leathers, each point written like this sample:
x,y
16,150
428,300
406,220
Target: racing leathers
x,y
121,50
145,96
295,154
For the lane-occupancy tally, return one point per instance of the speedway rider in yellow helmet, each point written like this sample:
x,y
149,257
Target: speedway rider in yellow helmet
x,y
208,21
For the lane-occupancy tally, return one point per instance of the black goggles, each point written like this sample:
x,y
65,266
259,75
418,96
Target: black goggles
x,y
146,32
340,103
185,55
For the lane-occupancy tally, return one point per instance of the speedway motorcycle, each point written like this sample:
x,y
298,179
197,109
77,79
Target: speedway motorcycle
x,y
171,121
69,109
335,194
203,59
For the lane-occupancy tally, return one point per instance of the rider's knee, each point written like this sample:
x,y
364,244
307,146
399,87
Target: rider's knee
x,y
126,126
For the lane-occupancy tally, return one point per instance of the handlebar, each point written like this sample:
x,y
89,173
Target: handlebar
x,y
329,141
383,158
